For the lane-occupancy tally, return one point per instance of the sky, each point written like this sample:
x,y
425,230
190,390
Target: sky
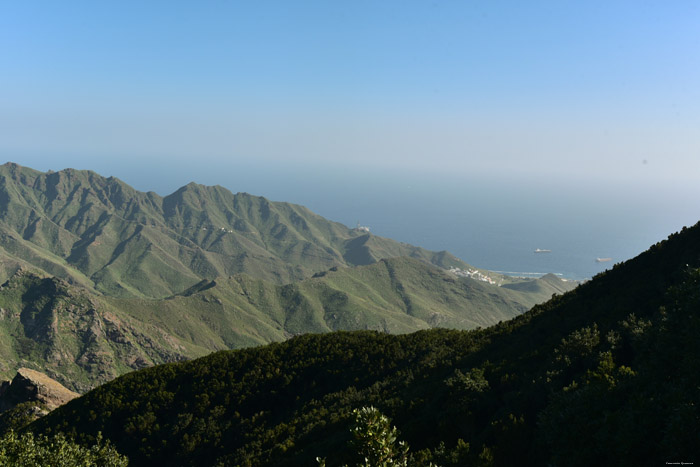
x,y
289,99
550,86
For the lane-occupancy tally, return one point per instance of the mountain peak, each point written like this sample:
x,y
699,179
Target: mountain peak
x,y
102,233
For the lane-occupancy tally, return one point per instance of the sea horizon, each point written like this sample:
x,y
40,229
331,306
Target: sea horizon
x,y
490,221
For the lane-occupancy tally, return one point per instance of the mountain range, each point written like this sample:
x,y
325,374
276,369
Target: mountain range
x,y
102,234
101,279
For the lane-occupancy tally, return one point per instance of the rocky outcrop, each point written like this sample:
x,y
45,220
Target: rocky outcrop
x,y
30,386
72,335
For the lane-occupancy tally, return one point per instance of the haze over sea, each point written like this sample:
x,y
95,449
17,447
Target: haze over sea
x,y
491,221
488,129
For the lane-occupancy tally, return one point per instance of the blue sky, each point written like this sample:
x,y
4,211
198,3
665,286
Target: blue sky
x,y
600,92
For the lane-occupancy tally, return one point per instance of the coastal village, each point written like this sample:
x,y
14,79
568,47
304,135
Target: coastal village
x,y
473,274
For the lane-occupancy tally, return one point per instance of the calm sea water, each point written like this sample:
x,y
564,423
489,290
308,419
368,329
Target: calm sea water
x,y
499,225
492,222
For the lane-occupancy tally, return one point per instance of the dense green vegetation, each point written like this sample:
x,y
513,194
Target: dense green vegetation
x,y
605,374
375,441
21,415
101,233
27,450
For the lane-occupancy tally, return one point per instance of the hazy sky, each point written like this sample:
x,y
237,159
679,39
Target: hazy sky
x,y
596,90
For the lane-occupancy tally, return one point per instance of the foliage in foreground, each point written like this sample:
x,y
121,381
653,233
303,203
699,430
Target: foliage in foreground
x,y
20,416
27,450
374,440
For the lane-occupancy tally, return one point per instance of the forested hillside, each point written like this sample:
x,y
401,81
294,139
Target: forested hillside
x,y
606,374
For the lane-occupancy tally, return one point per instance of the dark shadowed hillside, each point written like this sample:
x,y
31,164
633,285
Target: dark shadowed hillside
x,y
607,374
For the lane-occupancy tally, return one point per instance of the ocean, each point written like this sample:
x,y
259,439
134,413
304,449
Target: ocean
x,y
498,224
494,222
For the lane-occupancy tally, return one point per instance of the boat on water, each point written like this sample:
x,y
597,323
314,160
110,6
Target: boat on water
x,y
602,260
539,250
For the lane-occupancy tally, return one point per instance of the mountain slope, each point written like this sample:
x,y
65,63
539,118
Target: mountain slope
x,y
101,233
397,295
84,339
74,336
605,374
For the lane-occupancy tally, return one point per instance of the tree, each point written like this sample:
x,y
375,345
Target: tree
x,y
26,450
374,440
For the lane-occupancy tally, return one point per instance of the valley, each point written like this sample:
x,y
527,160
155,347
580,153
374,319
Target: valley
x,y
102,279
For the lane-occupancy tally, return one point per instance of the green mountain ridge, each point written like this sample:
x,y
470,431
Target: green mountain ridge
x,y
102,234
396,295
605,374
83,339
